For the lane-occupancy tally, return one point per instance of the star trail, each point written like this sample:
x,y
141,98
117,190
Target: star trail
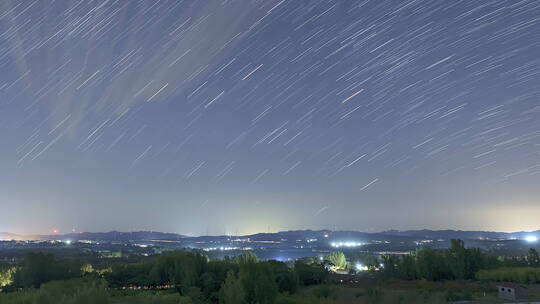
x,y
240,116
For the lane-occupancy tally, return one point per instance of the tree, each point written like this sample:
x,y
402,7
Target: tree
x,y
407,268
132,274
390,266
6,276
39,268
372,263
182,269
87,269
216,273
232,291
259,283
245,258
431,265
457,262
310,274
286,279
474,261
456,258
338,260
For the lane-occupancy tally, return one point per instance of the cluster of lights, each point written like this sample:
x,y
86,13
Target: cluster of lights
x,y
531,239
227,248
361,267
423,242
242,240
346,244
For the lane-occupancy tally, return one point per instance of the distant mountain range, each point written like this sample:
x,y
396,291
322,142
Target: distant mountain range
x,y
98,236
460,234
116,236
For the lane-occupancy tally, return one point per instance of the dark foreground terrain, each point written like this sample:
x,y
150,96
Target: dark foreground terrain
x,y
425,275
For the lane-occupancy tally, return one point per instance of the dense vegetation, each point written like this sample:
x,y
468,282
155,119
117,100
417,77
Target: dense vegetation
x,y
455,263
7,273
524,275
190,277
182,276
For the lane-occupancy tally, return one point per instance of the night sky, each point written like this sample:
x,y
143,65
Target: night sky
x,y
213,117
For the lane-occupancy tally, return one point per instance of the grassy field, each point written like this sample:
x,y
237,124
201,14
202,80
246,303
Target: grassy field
x,y
402,292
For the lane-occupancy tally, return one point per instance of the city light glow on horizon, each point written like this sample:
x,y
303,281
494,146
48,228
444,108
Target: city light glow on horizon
x,y
346,244
531,239
232,117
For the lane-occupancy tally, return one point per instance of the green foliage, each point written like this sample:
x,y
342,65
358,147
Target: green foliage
x,y
75,291
407,268
216,273
337,258
242,280
310,274
151,298
255,284
87,269
258,283
286,278
523,275
232,291
246,258
432,265
455,263
132,274
39,268
371,262
6,275
182,269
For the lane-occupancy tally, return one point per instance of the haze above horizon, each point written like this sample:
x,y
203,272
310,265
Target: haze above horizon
x,y
245,116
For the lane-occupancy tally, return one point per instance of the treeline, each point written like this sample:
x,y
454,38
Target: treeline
x,y
242,279
225,280
38,268
193,278
455,263
522,269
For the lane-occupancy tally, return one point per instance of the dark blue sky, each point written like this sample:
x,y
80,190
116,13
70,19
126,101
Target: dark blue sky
x,y
244,116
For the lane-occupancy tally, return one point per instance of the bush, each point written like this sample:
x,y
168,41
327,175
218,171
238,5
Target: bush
x,y
523,275
39,268
75,291
454,295
6,276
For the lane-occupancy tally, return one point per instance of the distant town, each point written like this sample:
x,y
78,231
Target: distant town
x,y
281,246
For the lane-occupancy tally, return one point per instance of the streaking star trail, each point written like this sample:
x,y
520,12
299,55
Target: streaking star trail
x,y
122,115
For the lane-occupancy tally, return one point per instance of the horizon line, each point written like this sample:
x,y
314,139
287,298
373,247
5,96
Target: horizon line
x,y
274,232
